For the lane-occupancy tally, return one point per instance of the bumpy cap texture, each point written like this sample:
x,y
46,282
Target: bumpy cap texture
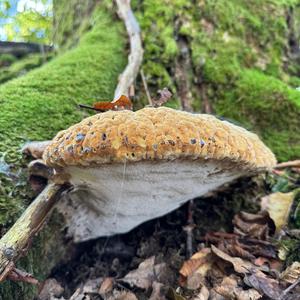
x,y
156,134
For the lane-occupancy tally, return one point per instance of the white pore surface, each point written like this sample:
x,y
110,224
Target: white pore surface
x,y
114,198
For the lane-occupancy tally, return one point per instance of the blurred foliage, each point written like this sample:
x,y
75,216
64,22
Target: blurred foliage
x,y
31,22
21,67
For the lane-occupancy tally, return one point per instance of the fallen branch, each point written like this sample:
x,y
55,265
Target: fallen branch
x,y
135,57
17,240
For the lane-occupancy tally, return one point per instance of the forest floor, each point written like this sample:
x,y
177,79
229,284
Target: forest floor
x,y
245,246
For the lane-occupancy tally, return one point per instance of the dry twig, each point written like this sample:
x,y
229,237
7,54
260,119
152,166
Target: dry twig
x,y
135,57
146,88
288,164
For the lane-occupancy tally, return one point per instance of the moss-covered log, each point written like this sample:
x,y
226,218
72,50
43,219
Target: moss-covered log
x,y
240,56
35,107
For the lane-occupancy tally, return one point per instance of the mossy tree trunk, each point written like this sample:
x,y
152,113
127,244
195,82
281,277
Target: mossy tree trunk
x,y
44,101
238,59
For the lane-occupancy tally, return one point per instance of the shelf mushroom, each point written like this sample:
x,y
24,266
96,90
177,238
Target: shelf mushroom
x,y
129,167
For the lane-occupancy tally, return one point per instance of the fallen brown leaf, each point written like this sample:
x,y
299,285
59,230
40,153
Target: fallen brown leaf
x,y
147,272
258,226
230,290
239,265
263,284
245,247
200,262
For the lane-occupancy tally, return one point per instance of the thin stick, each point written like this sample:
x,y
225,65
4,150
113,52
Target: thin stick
x,y
287,290
16,241
288,164
87,106
146,88
189,229
135,57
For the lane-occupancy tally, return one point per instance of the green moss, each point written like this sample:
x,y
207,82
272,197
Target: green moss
x,y
22,66
268,106
37,106
224,40
7,59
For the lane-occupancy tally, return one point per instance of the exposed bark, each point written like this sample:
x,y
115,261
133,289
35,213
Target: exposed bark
x,y
135,57
20,49
16,241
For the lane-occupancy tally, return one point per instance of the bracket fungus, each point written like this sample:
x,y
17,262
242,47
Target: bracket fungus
x,y
129,167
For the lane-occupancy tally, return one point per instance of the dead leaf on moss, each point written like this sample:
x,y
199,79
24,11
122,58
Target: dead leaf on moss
x,y
278,205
